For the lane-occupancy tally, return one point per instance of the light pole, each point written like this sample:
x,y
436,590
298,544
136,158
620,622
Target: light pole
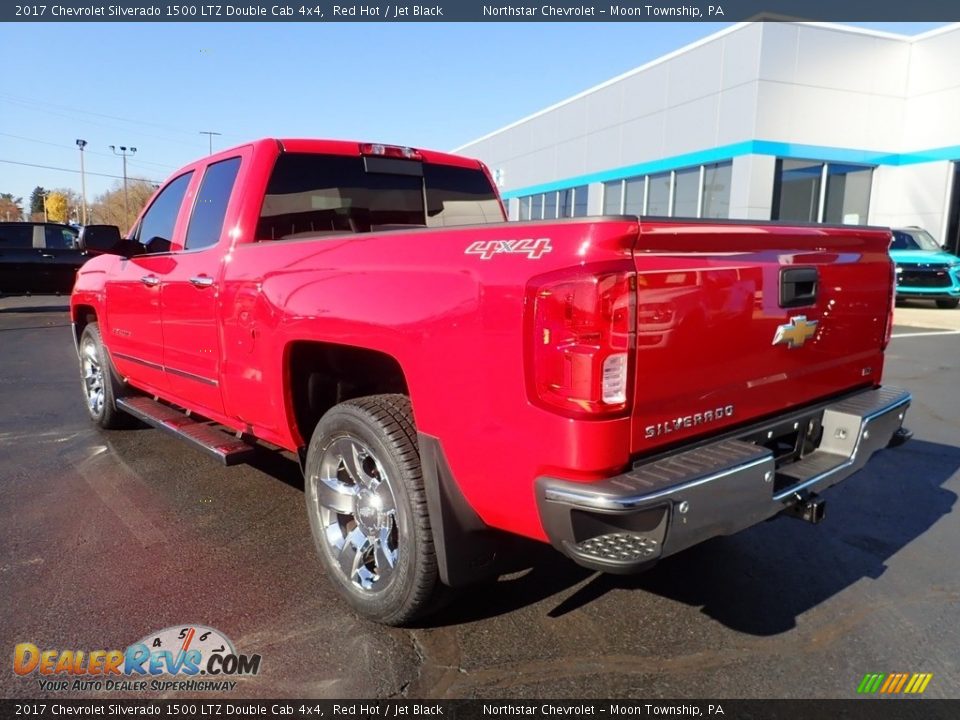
x,y
125,152
83,182
210,135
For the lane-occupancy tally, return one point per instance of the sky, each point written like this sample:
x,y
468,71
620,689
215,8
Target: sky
x,y
156,86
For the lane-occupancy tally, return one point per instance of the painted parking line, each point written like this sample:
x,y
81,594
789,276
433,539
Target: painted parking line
x,y
927,334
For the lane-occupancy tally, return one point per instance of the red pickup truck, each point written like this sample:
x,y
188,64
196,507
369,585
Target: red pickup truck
x,y
620,387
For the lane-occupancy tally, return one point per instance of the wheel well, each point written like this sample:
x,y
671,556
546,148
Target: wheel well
x,y
83,315
322,375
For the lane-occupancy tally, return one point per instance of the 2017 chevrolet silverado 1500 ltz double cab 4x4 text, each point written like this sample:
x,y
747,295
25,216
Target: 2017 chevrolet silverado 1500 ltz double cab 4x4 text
x,y
620,387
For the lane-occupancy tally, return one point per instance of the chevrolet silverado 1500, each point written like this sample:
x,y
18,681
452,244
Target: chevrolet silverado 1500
x,y
620,387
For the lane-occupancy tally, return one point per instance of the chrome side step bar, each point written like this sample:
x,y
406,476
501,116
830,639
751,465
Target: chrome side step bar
x,y
216,443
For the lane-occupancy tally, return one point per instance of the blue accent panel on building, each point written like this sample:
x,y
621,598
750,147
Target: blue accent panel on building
x,y
747,147
945,153
718,154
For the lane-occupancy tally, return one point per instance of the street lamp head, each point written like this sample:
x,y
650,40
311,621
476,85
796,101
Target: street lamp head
x,y
113,147
81,144
133,150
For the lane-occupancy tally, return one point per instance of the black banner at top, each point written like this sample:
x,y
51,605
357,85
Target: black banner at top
x,y
482,11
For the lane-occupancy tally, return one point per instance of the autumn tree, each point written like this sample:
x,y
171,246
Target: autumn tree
x,y
57,210
72,198
11,208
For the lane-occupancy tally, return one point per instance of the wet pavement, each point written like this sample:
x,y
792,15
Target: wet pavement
x,y
108,536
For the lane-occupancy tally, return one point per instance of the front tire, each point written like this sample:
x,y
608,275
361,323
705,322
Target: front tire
x,y
368,510
100,382
948,304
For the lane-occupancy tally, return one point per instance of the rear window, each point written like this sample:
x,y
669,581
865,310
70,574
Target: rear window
x,y
311,194
16,236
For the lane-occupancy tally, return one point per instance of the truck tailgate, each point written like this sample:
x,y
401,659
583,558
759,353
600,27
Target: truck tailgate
x,y
737,322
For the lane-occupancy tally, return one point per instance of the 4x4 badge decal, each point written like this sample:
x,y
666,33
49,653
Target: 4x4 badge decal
x,y
533,248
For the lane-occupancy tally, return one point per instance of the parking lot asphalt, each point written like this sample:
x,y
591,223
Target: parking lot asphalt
x,y
108,536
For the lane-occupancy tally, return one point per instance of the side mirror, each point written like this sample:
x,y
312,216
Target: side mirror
x,y
157,244
103,239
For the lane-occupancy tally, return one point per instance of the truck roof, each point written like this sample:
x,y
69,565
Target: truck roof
x,y
344,147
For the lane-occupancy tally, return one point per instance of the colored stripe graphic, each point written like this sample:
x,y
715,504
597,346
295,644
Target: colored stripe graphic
x,y
894,683
903,679
870,683
918,683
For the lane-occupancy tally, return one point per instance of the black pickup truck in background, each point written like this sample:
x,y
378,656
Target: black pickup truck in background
x,y
39,258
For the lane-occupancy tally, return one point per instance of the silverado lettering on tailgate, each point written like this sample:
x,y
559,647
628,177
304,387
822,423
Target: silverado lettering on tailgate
x,y
687,421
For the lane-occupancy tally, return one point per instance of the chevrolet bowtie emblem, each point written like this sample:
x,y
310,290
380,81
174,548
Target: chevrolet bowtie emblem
x,y
796,332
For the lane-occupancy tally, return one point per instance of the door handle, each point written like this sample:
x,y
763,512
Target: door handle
x,y
201,281
150,280
47,255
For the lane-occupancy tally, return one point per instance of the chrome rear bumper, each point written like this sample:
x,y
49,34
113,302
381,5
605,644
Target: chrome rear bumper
x,y
624,523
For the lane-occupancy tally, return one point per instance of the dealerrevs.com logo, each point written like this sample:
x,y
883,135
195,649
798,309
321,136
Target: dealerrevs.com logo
x,y
179,658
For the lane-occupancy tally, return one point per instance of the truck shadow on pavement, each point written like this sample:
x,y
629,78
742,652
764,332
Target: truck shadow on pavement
x,y
32,309
760,580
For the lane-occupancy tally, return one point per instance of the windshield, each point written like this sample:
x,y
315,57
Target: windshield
x,y
311,194
913,240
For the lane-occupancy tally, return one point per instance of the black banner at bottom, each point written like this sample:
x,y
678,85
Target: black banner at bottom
x,y
855,709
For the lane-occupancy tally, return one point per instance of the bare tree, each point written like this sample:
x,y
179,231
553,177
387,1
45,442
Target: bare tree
x,y
107,209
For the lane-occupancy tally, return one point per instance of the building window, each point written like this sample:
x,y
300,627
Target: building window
x,y
796,190
716,190
525,208
848,194
566,203
811,191
699,191
550,206
634,190
580,195
612,197
658,195
686,193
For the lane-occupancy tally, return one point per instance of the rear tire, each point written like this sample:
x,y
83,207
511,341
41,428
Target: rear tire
x,y
949,304
101,385
368,509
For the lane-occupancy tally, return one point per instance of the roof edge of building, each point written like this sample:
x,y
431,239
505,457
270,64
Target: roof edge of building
x,y
692,46
622,76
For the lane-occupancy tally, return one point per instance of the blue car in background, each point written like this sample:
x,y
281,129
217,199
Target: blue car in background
x,y
924,269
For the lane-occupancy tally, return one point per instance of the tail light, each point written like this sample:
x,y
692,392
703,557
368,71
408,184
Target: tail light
x,y
582,346
394,151
893,304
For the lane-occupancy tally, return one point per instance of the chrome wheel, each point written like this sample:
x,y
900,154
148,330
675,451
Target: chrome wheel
x,y
355,512
92,377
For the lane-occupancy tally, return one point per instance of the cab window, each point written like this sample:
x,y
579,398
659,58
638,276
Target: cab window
x,y
210,207
156,228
